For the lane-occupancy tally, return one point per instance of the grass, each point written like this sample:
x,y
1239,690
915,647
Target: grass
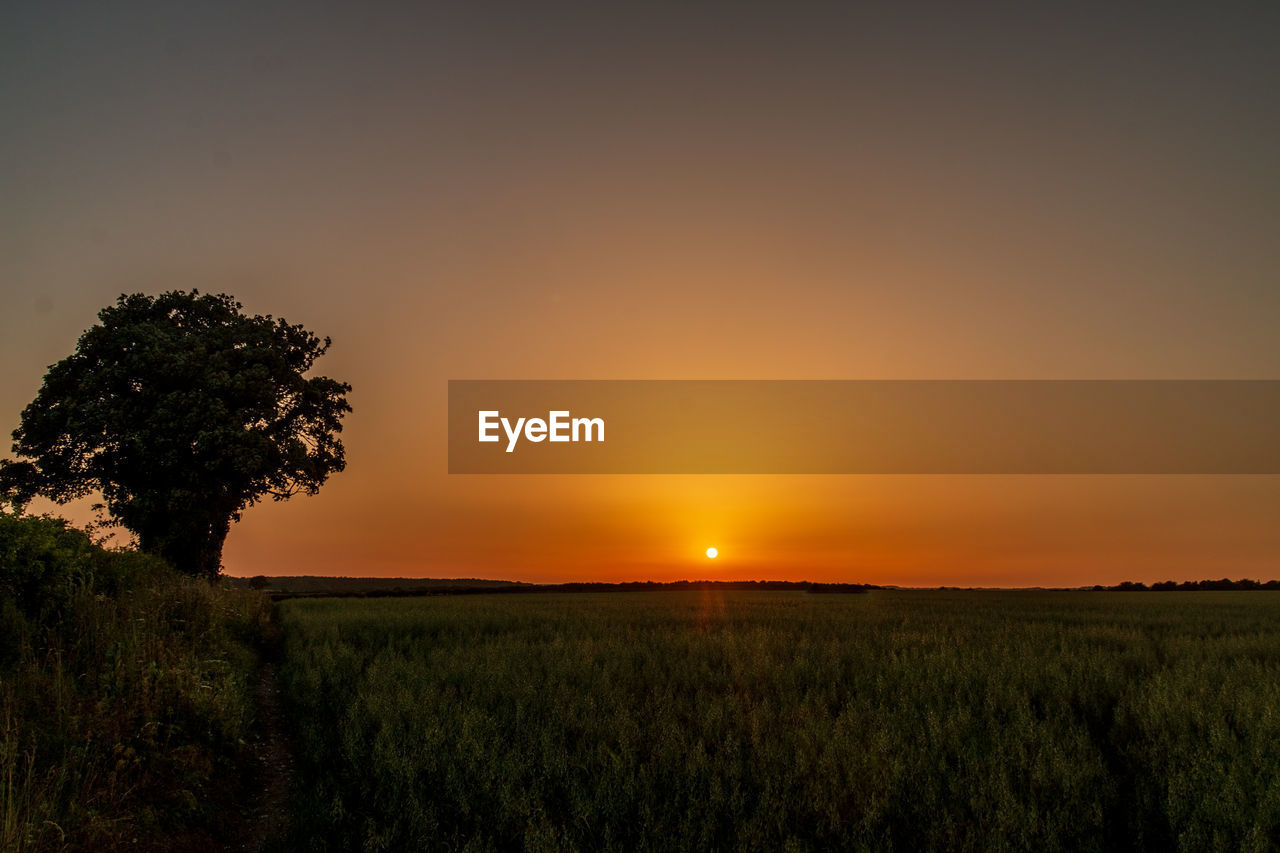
x,y
763,721
125,696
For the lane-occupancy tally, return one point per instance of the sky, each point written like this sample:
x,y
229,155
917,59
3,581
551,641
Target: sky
x,y
673,191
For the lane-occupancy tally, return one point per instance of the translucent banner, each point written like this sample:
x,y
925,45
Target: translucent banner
x,y
864,427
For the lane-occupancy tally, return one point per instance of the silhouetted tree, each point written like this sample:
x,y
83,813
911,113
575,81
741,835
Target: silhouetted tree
x,y
182,411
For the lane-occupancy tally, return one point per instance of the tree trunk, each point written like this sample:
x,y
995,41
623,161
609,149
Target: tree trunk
x,y
211,557
192,545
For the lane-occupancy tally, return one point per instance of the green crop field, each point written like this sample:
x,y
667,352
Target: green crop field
x,y
765,720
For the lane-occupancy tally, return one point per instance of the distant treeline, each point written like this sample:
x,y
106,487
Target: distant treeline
x,y
1165,586
303,586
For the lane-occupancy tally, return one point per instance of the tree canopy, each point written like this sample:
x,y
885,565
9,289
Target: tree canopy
x,y
182,411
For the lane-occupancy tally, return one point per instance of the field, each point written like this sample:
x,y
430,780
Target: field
x,y
763,721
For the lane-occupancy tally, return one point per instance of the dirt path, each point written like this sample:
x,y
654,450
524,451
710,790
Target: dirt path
x,y
269,816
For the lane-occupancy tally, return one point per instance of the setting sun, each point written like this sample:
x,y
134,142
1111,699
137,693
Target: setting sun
x,y
711,553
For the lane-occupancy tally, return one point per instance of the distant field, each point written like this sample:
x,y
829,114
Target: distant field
x,y
767,720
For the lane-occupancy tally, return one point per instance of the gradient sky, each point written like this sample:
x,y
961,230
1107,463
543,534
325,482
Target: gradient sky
x,y
737,191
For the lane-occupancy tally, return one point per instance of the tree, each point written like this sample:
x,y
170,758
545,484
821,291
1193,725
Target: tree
x,y
182,411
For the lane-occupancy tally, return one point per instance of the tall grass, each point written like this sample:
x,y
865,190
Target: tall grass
x,y
763,721
124,693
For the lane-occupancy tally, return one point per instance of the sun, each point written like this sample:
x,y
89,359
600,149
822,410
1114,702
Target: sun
x,y
712,553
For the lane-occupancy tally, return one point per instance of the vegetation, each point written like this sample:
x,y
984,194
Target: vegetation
x,y
327,585
307,585
1190,586
182,412
125,695
700,717
713,719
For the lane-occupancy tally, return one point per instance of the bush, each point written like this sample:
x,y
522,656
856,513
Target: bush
x,y
42,562
125,695
115,571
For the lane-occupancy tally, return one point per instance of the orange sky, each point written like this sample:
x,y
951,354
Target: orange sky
x,y
572,192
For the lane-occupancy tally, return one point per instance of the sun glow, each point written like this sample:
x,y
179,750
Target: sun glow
x,y
712,553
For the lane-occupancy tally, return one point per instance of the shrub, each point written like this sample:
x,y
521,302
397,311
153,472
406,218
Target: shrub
x,y
42,562
125,695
